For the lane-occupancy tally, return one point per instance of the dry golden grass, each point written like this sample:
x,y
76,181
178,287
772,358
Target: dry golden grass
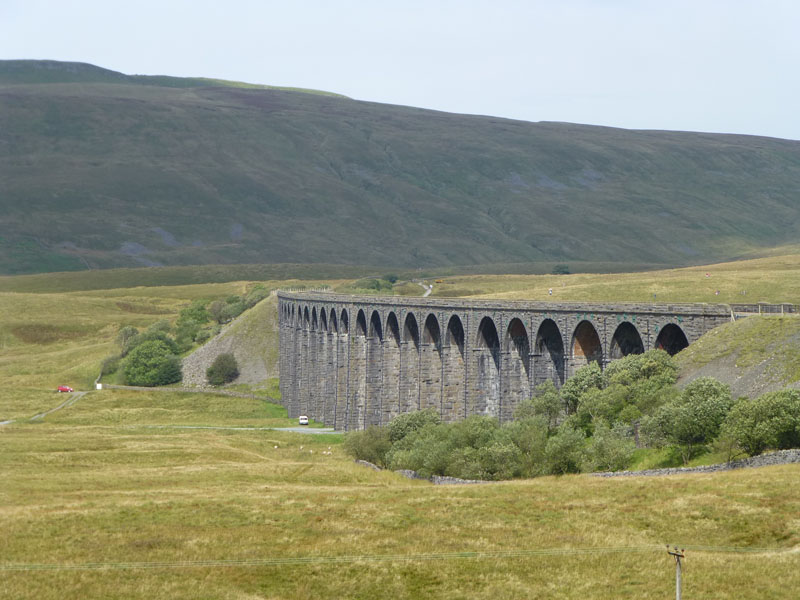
x,y
774,279
98,483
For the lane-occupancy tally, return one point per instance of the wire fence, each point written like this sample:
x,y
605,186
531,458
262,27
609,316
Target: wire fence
x,y
332,560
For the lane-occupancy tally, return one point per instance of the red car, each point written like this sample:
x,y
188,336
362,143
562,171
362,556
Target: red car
x,y
65,388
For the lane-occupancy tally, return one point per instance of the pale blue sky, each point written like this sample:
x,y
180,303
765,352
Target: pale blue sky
x,y
702,65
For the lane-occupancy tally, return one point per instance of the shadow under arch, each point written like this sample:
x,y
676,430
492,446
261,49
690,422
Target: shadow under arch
x,y
548,354
487,369
586,345
671,339
516,382
626,341
454,406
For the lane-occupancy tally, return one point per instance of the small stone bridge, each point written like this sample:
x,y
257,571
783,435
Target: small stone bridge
x,y
355,361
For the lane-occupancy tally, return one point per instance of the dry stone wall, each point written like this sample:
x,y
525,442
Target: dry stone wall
x,y
356,361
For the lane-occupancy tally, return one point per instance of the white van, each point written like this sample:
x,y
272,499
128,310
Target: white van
x,y
303,420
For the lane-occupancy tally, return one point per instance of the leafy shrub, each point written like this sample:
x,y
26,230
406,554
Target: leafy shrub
x,y
564,452
546,403
560,270
770,421
608,450
370,444
149,336
152,363
110,364
586,378
255,295
403,425
223,370
694,418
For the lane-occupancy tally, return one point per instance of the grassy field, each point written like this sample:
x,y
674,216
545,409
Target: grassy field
x,y
772,279
170,495
115,480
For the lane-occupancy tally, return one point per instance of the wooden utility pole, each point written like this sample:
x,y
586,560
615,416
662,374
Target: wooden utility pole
x,y
678,554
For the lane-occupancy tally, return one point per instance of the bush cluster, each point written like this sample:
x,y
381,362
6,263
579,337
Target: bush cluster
x,y
593,423
223,370
195,324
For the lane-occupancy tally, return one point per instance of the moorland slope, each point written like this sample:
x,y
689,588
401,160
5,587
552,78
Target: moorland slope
x,y
101,169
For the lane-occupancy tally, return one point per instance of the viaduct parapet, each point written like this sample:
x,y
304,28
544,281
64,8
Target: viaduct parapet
x,y
356,361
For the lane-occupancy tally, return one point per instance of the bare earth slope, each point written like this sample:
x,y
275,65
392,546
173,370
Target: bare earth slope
x,y
253,340
754,355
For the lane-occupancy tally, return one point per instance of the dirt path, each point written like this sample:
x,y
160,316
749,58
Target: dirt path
x,y
73,398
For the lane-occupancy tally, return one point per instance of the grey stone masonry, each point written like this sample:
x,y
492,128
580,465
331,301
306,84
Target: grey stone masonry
x,y
356,361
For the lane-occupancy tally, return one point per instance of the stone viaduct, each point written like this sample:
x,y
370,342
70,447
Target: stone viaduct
x,y
355,361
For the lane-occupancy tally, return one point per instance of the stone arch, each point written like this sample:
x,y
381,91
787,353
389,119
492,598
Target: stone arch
x,y
333,323
672,339
411,329
431,365
626,341
410,364
548,354
361,324
306,318
390,389
323,320
586,345
487,369
314,323
454,405
516,378
345,321
375,326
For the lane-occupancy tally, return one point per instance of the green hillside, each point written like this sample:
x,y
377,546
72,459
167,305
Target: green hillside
x,y
100,169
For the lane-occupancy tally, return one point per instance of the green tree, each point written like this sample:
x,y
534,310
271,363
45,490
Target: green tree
x,y
223,370
545,403
608,449
695,417
152,363
586,378
564,451
370,444
770,421
407,423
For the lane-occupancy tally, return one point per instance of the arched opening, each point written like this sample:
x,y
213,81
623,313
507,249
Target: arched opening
x,y
671,339
586,346
431,363
323,321
345,321
361,324
453,402
306,318
333,322
626,341
410,364
391,369
487,369
516,379
314,318
548,354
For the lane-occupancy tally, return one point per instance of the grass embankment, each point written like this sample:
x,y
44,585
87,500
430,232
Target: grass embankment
x,y
774,279
60,338
98,483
